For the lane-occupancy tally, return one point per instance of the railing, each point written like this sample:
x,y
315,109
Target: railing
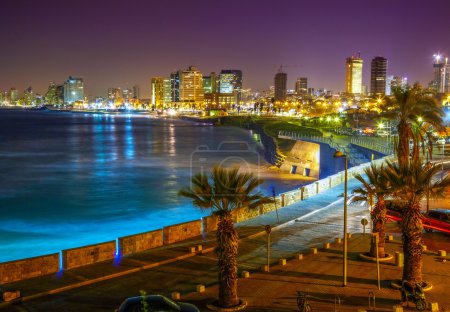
x,y
386,149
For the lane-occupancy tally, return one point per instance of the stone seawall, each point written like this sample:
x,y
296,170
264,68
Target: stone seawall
x,y
76,257
179,232
18,270
140,242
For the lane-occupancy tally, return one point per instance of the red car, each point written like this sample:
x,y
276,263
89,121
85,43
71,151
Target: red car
x,y
437,219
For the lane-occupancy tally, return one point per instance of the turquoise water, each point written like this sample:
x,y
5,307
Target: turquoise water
x,y
72,179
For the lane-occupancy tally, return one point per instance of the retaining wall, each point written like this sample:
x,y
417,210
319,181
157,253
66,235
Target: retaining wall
x,y
76,257
18,270
179,232
140,242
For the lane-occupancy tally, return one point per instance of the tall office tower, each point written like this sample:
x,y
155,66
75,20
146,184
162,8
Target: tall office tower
x,y
191,86
441,74
167,92
157,92
378,68
28,96
13,95
301,86
59,93
50,96
114,94
230,83
175,86
73,90
136,92
353,74
280,87
127,94
389,80
210,83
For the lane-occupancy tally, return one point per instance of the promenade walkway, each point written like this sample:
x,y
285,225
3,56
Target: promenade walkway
x,y
101,287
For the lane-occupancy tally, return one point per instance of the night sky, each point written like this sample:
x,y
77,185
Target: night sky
x,y
113,43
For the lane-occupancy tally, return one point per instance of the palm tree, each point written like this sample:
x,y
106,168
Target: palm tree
x,y
374,188
407,106
409,184
223,191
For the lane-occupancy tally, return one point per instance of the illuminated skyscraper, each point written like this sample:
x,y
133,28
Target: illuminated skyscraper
x,y
441,75
13,95
280,87
210,83
157,92
50,96
167,92
301,85
136,92
175,86
378,68
191,86
353,75
230,85
114,94
127,94
73,90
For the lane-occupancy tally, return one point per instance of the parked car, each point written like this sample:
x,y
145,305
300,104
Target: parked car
x,y
393,211
437,219
155,303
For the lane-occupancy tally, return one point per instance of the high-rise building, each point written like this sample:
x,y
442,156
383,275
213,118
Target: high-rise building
x,y
29,98
114,94
13,95
127,94
167,91
353,74
301,85
175,86
50,96
230,83
136,92
73,90
378,69
157,92
59,92
441,74
191,86
280,87
210,83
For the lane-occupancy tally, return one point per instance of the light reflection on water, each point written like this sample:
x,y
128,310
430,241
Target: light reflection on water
x,y
68,180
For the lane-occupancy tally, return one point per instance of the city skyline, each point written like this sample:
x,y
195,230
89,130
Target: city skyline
x,y
118,50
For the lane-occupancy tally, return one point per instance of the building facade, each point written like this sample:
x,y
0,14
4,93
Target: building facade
x,y
73,90
280,87
175,86
230,85
353,75
378,70
157,93
191,87
301,86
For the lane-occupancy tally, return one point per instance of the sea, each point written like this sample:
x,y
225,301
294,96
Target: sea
x,y
74,179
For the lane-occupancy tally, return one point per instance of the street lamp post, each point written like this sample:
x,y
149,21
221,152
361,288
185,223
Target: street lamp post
x,y
339,154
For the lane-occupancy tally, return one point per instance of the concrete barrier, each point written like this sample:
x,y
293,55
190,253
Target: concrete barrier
x,y
175,295
399,259
182,231
245,274
76,257
299,256
200,288
140,242
282,261
18,270
442,253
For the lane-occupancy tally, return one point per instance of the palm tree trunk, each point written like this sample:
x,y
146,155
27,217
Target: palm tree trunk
x,y
412,244
227,247
403,143
379,222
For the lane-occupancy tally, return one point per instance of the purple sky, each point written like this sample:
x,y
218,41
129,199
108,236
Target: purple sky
x,y
115,43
